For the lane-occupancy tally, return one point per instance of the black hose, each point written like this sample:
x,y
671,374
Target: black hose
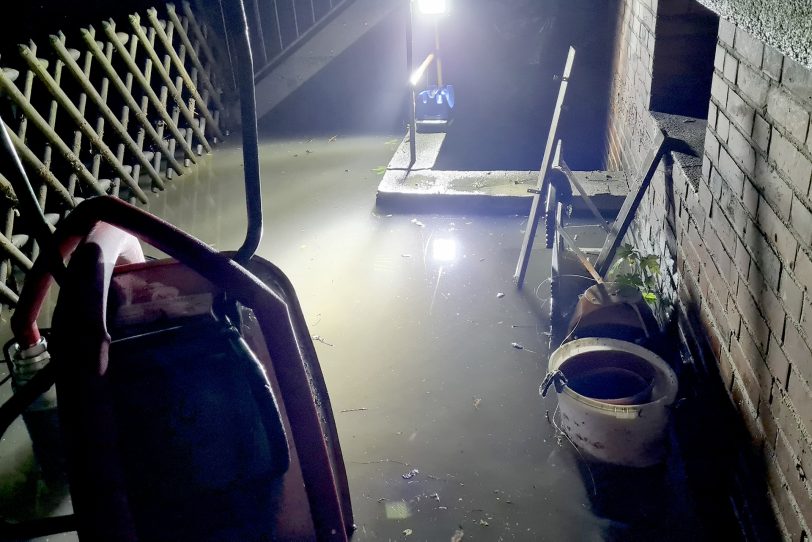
x,y
238,29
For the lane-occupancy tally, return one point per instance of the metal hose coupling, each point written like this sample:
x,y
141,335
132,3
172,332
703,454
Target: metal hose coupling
x,y
25,364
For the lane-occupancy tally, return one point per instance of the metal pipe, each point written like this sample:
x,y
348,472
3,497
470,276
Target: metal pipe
x,y
79,119
109,30
118,127
250,139
412,95
437,52
128,98
190,50
40,123
13,169
42,171
135,21
152,15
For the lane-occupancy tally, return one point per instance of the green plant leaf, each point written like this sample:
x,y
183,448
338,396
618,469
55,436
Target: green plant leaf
x,y
625,251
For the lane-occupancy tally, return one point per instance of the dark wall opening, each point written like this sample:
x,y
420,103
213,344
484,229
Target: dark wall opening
x,y
683,58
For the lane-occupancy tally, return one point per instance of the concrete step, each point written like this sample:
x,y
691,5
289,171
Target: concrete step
x,y
421,188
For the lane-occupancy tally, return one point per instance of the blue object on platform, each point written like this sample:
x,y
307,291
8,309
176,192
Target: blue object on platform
x,y
436,103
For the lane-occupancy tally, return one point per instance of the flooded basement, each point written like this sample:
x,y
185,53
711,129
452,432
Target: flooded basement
x,y
433,374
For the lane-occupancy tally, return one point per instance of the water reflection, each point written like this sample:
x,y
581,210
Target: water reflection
x,y
416,347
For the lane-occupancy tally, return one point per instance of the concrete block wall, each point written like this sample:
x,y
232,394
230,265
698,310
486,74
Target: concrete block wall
x,y
733,228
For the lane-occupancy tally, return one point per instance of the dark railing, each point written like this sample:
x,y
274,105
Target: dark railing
x,y
278,26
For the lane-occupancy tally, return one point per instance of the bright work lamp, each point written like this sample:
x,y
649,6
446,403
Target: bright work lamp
x,y
433,7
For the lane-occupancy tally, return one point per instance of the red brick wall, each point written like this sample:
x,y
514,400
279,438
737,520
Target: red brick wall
x,y
758,168
734,231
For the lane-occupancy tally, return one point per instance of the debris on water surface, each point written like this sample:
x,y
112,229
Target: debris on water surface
x,y
417,223
411,474
407,532
320,339
484,523
500,295
435,496
332,139
355,410
458,535
477,402
308,151
518,346
397,510
405,255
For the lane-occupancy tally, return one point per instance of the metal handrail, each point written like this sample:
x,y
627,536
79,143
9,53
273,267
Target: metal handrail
x,y
271,29
415,78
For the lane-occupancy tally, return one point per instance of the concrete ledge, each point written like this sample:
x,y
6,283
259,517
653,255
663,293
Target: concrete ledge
x,y
422,188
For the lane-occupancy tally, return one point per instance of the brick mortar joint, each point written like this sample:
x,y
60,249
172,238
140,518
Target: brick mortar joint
x,y
775,292
762,109
773,458
802,243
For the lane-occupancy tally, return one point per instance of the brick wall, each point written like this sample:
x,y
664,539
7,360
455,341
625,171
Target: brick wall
x,y
733,226
631,85
757,167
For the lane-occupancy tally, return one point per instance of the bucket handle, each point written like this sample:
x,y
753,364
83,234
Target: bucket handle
x,y
554,378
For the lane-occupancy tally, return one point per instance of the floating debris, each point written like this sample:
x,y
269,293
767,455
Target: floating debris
x,y
435,496
418,223
405,255
355,410
411,474
332,139
477,402
320,339
407,532
518,346
484,523
308,151
397,510
500,295
458,535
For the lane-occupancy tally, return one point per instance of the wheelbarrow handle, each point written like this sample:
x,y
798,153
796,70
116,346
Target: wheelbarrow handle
x,y
275,315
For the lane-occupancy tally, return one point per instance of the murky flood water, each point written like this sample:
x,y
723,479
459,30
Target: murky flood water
x,y
437,409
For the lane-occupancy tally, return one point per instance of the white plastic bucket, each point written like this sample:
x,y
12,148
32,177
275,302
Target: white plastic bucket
x,y
623,434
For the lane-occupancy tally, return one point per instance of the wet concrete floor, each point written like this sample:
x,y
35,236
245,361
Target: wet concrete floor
x,y
417,350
